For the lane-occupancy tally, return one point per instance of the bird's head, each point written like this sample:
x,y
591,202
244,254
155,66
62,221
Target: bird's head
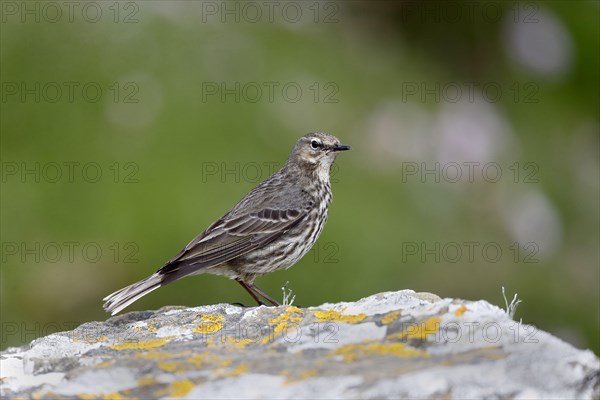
x,y
317,151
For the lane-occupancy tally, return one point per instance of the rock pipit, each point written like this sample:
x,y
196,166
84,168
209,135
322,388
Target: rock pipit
x,y
271,228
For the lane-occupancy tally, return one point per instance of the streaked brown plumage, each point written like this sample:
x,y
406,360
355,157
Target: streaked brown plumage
x,y
271,228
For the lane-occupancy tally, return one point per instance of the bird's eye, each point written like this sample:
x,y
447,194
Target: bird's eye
x,y
315,144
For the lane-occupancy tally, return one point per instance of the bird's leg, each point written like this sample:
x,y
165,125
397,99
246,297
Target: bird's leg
x,y
263,294
249,290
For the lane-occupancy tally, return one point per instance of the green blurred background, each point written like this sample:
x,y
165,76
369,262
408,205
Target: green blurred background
x,y
412,86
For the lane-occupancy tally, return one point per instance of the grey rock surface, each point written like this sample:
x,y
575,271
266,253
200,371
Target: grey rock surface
x,y
390,345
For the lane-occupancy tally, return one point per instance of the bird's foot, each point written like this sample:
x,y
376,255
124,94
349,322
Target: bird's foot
x,y
245,306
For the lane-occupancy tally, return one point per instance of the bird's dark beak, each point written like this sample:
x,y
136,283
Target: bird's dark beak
x,y
341,147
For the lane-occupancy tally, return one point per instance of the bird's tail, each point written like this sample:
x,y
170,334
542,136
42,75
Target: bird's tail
x,y
120,299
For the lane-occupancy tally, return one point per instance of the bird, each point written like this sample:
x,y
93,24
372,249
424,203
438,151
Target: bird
x,y
270,228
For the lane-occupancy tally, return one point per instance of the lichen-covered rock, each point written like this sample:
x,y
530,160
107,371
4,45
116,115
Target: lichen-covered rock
x,y
390,345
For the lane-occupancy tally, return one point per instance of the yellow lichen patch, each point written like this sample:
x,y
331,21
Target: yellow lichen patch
x,y
291,315
152,326
147,381
171,366
265,339
210,324
420,330
224,364
332,315
308,374
389,318
299,377
142,345
91,341
207,358
237,343
105,364
460,310
113,396
87,396
239,370
351,352
196,360
47,394
181,388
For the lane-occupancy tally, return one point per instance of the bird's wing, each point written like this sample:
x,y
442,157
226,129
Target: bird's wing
x,y
229,238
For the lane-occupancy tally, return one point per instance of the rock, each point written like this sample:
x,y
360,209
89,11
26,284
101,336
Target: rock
x,y
390,345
